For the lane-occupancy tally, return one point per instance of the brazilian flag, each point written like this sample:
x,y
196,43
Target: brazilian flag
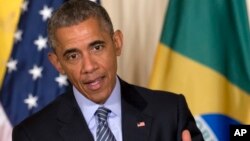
x,y
204,53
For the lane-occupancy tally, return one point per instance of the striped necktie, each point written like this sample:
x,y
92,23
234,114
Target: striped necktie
x,y
103,131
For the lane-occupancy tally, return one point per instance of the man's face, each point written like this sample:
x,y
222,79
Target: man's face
x,y
87,54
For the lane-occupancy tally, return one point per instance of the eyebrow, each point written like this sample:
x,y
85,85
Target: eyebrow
x,y
96,42
69,51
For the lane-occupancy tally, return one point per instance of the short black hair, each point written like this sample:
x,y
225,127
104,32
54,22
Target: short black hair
x,y
73,12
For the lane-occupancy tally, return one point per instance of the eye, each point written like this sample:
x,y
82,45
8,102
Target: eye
x,y
72,56
98,47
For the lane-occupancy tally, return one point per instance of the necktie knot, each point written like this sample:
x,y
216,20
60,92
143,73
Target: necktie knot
x,y
102,114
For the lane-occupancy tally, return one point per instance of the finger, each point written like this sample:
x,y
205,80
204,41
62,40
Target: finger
x,y
186,136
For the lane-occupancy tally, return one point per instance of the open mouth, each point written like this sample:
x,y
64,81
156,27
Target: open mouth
x,y
94,84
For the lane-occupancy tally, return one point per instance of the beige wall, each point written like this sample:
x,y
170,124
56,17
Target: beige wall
x,y
248,8
140,22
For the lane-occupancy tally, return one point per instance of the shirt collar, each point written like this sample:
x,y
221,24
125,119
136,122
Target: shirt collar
x,y
88,107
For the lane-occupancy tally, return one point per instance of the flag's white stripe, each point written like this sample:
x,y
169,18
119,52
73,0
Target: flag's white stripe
x,y
5,126
207,132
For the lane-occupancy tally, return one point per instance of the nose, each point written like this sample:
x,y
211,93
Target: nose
x,y
89,64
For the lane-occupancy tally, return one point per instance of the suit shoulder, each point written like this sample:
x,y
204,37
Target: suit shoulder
x,y
150,93
159,98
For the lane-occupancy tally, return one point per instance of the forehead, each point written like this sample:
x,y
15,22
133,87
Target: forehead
x,y
82,33
83,28
91,24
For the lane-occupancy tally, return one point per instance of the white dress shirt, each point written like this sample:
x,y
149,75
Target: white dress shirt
x,y
113,103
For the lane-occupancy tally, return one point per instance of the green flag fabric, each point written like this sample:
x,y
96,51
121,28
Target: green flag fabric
x,y
204,53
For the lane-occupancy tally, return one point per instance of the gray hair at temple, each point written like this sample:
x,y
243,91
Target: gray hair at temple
x,y
74,12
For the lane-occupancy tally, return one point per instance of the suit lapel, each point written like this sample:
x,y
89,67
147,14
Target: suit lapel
x,y
72,122
136,120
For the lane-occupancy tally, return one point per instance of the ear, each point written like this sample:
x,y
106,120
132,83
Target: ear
x,y
55,62
118,42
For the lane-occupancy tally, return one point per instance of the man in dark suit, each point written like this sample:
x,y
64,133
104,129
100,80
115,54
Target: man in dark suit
x,y
101,106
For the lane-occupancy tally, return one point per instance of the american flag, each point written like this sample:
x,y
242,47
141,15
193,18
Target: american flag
x,y
141,124
30,82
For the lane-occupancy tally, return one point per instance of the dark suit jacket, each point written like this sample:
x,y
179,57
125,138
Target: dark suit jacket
x,y
165,116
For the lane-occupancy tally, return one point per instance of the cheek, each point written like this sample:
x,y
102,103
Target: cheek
x,y
74,77
72,71
112,64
